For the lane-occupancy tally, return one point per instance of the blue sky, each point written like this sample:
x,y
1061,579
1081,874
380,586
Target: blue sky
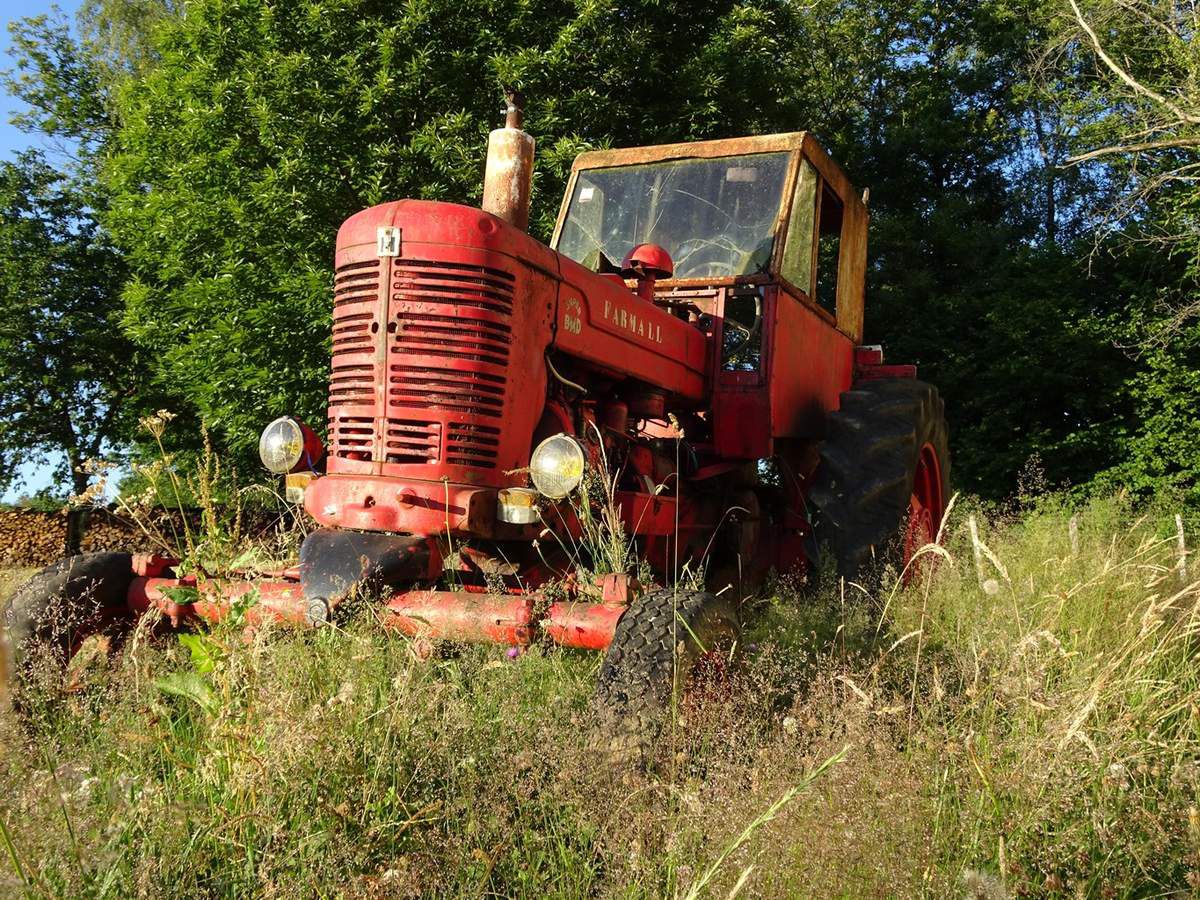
x,y
12,142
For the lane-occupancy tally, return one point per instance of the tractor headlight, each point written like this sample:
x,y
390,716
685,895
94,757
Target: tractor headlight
x,y
282,445
557,466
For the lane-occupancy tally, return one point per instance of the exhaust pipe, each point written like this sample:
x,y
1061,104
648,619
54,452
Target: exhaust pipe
x,y
509,173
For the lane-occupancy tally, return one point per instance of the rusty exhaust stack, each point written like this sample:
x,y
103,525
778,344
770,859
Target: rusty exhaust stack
x,y
509,172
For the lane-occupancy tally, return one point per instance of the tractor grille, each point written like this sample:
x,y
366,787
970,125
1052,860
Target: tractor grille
x,y
469,392
352,383
352,437
352,333
355,283
454,284
355,296
452,312
449,353
472,445
409,442
454,338
352,380
447,334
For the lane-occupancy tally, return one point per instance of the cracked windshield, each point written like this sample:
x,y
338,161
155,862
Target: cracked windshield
x,y
716,217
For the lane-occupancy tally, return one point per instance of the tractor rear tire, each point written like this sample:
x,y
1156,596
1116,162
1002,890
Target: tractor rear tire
x,y
57,609
879,491
655,650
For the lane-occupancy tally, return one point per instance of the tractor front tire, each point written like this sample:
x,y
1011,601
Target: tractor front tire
x,y
50,616
879,491
655,650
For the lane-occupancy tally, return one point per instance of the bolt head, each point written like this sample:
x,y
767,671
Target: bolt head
x,y
317,611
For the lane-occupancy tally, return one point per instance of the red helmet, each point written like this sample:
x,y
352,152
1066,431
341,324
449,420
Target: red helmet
x,y
648,260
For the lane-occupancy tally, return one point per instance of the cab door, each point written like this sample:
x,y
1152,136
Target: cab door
x,y
745,314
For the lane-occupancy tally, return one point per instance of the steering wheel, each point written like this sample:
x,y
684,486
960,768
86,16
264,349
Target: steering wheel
x,y
737,335
699,258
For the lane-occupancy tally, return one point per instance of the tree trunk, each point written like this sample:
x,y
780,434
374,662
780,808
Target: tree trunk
x,y
76,526
76,515
1049,177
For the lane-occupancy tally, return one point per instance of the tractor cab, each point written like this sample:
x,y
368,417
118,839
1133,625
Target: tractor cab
x,y
768,241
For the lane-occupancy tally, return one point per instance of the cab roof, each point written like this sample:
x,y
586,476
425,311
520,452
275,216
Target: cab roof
x,y
631,156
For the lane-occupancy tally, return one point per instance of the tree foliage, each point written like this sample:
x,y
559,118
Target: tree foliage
x,y
1127,71
68,372
260,129
71,381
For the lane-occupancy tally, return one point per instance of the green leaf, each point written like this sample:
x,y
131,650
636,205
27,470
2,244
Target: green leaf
x,y
190,686
182,594
204,651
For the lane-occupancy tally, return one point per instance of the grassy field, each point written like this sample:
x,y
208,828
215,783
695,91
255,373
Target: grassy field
x,y
1038,738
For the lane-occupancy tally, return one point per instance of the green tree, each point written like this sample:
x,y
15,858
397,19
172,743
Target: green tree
x,y
118,35
70,380
261,127
67,373
975,271
1124,77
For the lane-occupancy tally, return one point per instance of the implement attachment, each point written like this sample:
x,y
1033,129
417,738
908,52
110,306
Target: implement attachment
x,y
511,619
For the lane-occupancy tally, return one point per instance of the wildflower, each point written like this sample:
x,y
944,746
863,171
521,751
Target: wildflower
x,y
514,652
1119,774
91,496
157,423
983,885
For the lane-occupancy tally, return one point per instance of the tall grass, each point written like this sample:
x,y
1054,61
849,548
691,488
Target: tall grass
x,y
1042,740
1072,696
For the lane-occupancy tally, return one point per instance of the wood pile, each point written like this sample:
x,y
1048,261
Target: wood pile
x,y
105,530
33,538
30,538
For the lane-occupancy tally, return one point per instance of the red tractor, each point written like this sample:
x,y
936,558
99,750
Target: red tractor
x,y
682,365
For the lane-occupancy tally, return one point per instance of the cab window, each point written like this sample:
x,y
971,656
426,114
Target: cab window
x,y
797,265
829,249
716,217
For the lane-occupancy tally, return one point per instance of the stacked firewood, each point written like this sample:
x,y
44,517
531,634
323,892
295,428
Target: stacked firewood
x,y
31,538
34,538
104,530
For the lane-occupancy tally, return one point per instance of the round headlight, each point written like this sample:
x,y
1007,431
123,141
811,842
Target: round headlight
x,y
557,466
281,445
